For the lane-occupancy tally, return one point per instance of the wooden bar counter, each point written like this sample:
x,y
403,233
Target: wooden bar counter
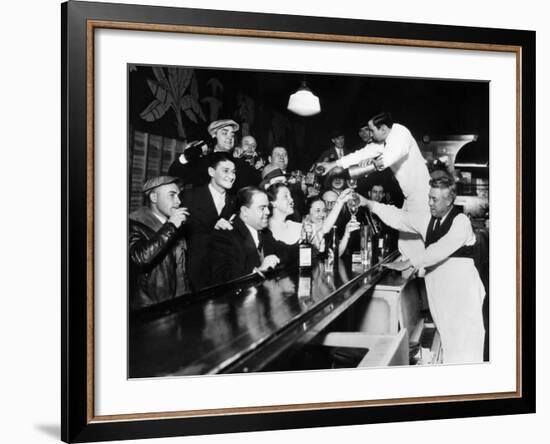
x,y
252,324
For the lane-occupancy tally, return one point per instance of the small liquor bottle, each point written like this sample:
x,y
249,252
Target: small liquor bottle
x,y
306,248
332,250
366,245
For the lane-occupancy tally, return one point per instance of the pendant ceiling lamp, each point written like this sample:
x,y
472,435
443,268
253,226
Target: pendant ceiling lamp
x,y
303,102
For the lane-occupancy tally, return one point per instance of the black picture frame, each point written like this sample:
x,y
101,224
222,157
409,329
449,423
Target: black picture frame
x,y
79,19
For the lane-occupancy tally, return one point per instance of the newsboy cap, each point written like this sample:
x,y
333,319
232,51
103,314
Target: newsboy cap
x,y
157,181
272,174
217,124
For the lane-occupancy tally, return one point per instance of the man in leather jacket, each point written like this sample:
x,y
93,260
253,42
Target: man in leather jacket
x,y
156,245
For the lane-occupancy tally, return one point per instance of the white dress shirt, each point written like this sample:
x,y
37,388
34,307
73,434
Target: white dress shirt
x,y
459,234
254,234
401,153
219,198
453,286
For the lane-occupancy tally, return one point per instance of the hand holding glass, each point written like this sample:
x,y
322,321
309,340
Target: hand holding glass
x,y
353,206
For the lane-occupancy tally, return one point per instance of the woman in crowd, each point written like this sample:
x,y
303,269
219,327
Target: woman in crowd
x,y
317,211
283,235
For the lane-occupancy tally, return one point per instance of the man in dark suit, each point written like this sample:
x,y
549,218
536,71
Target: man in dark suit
x,y
210,208
337,150
238,252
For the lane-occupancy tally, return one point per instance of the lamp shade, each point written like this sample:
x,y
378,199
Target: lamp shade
x,y
303,102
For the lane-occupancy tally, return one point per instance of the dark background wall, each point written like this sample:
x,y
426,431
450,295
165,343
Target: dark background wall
x,y
259,99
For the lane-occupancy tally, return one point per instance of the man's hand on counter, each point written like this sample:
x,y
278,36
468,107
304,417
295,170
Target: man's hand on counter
x,y
398,265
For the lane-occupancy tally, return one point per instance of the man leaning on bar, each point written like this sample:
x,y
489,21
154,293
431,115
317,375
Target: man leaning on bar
x,y
238,252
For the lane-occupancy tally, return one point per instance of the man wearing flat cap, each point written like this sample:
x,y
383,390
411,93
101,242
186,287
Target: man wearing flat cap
x,y
194,172
271,175
223,132
156,245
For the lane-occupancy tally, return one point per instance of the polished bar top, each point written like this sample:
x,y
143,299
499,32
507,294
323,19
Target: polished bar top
x,y
243,325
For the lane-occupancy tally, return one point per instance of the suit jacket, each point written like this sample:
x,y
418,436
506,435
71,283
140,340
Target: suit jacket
x,y
199,227
232,253
331,155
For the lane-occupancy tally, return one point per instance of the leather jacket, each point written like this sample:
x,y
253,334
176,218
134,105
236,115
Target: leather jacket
x,y
157,260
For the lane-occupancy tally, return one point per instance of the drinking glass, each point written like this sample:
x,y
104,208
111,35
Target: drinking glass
x,y
353,206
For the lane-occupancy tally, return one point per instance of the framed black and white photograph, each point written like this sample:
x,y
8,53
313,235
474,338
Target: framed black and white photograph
x,y
280,221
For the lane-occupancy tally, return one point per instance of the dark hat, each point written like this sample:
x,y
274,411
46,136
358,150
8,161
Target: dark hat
x,y
268,169
157,181
337,172
217,124
337,132
277,172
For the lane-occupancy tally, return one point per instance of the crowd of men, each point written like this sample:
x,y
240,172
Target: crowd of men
x,y
202,224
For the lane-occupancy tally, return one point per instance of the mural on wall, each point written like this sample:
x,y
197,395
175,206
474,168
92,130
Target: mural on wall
x,y
213,101
245,113
169,107
179,92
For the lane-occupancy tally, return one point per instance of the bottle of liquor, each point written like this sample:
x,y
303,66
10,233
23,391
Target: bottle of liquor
x,y
366,245
332,250
304,284
305,257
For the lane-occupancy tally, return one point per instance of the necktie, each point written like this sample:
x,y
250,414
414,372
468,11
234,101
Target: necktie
x,y
437,223
260,246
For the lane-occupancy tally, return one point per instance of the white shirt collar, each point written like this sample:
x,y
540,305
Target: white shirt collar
x,y
445,215
219,198
254,234
216,192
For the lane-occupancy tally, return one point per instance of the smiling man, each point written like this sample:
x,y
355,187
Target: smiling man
x,y
238,252
278,158
156,245
223,131
210,208
454,288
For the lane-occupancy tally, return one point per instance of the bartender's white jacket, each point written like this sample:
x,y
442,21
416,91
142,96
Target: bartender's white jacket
x,y
454,288
400,152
